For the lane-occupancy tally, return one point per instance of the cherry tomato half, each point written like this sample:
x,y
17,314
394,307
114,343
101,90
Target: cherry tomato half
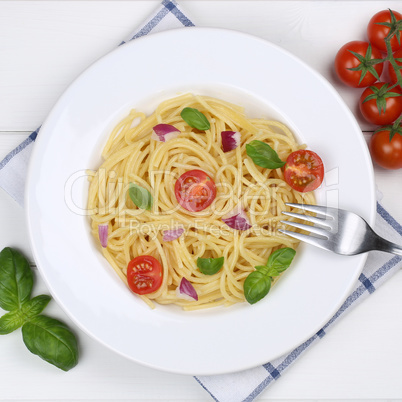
x,y
370,109
195,190
304,170
385,152
391,71
345,61
376,33
144,274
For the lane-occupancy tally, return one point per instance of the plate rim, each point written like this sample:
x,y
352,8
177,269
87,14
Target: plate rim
x,y
36,151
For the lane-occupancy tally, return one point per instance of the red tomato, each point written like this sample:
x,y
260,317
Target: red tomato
x,y
144,274
369,109
391,71
304,170
195,190
345,61
385,152
376,33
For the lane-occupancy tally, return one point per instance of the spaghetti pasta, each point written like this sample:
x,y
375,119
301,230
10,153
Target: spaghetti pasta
x,y
132,156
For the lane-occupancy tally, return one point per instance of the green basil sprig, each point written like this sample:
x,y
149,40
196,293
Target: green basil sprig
x,y
258,283
60,348
210,266
263,155
46,337
194,118
140,196
16,280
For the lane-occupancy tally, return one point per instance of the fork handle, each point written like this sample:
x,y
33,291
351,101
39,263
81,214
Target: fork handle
x,y
387,246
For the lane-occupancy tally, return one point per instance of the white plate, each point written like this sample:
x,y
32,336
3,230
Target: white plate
x,y
236,67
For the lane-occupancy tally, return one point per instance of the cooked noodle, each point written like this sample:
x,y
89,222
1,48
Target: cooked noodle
x,y
131,156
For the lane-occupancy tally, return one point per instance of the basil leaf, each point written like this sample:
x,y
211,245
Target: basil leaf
x,y
263,155
210,266
52,341
258,283
11,321
140,196
263,269
16,279
280,260
194,118
256,286
35,306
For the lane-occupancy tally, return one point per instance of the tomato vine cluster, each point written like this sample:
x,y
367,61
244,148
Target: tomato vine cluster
x,y
362,64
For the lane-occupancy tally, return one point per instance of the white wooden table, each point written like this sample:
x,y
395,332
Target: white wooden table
x,y
43,47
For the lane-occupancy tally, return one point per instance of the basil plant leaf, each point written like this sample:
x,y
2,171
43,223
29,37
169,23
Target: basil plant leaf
x,y
256,286
52,341
263,155
210,266
263,269
140,196
35,306
11,321
194,118
258,283
280,260
16,279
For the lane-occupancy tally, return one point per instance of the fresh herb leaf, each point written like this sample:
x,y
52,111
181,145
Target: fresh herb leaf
x,y
280,259
140,196
210,266
46,337
258,283
194,118
35,306
256,286
52,341
263,155
16,279
11,321
262,268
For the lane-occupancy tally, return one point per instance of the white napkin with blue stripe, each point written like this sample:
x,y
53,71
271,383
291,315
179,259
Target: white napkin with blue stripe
x,y
245,385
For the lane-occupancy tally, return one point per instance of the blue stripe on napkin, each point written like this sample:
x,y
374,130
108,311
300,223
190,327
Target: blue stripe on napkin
x,y
168,6
378,268
31,138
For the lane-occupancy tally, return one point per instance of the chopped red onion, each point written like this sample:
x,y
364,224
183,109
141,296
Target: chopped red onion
x,y
173,234
237,219
103,234
164,132
186,290
230,140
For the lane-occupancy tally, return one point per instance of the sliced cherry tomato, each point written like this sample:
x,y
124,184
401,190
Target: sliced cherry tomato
x,y
357,65
144,274
195,190
385,108
304,170
391,71
384,151
377,32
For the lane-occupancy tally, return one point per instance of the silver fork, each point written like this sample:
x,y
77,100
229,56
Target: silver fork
x,y
337,230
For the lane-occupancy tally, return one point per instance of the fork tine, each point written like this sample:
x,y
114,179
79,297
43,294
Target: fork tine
x,y
315,241
311,208
308,218
308,228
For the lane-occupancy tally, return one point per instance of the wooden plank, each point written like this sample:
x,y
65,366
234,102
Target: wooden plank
x,y
36,69
64,38
13,232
